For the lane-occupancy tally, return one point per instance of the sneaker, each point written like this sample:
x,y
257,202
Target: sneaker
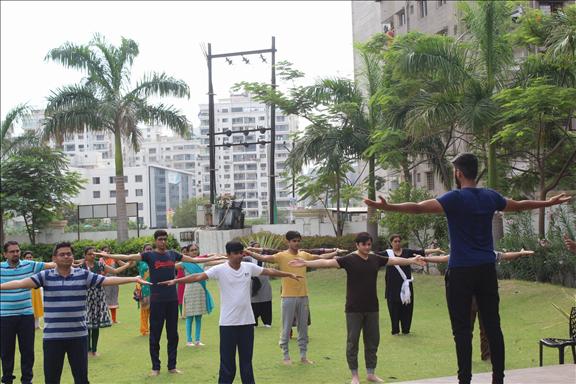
x,y
175,371
267,326
199,344
190,344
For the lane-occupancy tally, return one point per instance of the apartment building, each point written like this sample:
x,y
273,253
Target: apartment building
x,y
426,16
242,170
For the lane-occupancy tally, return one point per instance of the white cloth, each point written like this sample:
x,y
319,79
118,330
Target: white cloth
x,y
235,292
405,294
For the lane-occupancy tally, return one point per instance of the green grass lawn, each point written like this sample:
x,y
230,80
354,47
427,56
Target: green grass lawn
x,y
526,311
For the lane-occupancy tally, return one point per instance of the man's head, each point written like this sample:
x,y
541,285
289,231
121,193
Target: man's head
x,y
12,252
293,238
63,255
396,241
234,251
27,255
161,239
363,242
465,168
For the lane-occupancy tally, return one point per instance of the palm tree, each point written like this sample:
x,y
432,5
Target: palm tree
x,y
103,101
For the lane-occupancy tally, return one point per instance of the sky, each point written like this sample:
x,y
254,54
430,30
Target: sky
x,y
315,36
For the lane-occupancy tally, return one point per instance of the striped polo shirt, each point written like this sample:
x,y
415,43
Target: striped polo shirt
x,y
65,301
17,302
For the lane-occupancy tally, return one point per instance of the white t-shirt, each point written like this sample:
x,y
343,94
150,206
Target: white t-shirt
x,y
235,289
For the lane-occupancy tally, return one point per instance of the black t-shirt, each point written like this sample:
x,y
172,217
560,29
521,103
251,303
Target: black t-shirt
x,y
162,268
362,275
394,280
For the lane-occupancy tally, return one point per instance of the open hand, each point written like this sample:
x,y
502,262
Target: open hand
x,y
297,263
526,252
421,261
559,199
295,276
382,204
167,282
142,281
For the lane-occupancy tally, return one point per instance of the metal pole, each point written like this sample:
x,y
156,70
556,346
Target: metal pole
x,y
271,160
78,220
211,129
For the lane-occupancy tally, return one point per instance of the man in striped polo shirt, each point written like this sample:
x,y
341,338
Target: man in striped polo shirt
x,y
16,314
65,329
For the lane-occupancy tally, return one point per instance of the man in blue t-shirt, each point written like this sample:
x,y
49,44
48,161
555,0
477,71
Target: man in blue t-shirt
x,y
16,314
163,299
471,270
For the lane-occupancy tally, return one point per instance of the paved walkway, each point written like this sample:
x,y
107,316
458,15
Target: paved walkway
x,y
551,374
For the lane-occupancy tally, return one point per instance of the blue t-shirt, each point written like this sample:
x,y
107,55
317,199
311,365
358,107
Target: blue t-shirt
x,y
16,302
162,268
469,212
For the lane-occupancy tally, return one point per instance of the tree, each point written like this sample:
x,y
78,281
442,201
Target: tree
x,y
185,213
9,145
103,101
537,119
35,184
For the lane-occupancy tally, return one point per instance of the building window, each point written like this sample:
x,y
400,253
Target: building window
x,y
96,194
441,2
402,17
95,180
236,109
225,120
418,177
70,148
111,179
139,192
100,137
224,110
151,150
112,193
140,206
423,5
138,178
430,181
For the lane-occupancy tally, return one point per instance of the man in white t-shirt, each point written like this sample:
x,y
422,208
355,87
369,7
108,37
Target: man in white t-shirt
x,y
236,317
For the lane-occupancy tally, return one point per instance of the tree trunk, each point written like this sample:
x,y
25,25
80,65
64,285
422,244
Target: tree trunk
x,y
339,224
542,213
372,224
121,213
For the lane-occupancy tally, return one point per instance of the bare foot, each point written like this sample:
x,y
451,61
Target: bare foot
x,y
154,373
355,380
306,361
374,379
175,370
287,361
95,354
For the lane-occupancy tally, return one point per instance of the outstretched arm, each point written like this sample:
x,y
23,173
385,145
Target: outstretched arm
x,y
328,255
259,257
113,280
277,273
199,260
18,284
437,259
426,206
419,260
118,270
433,250
134,257
320,263
523,205
515,255
186,279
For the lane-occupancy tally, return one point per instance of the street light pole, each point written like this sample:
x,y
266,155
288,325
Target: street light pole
x,y
212,130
